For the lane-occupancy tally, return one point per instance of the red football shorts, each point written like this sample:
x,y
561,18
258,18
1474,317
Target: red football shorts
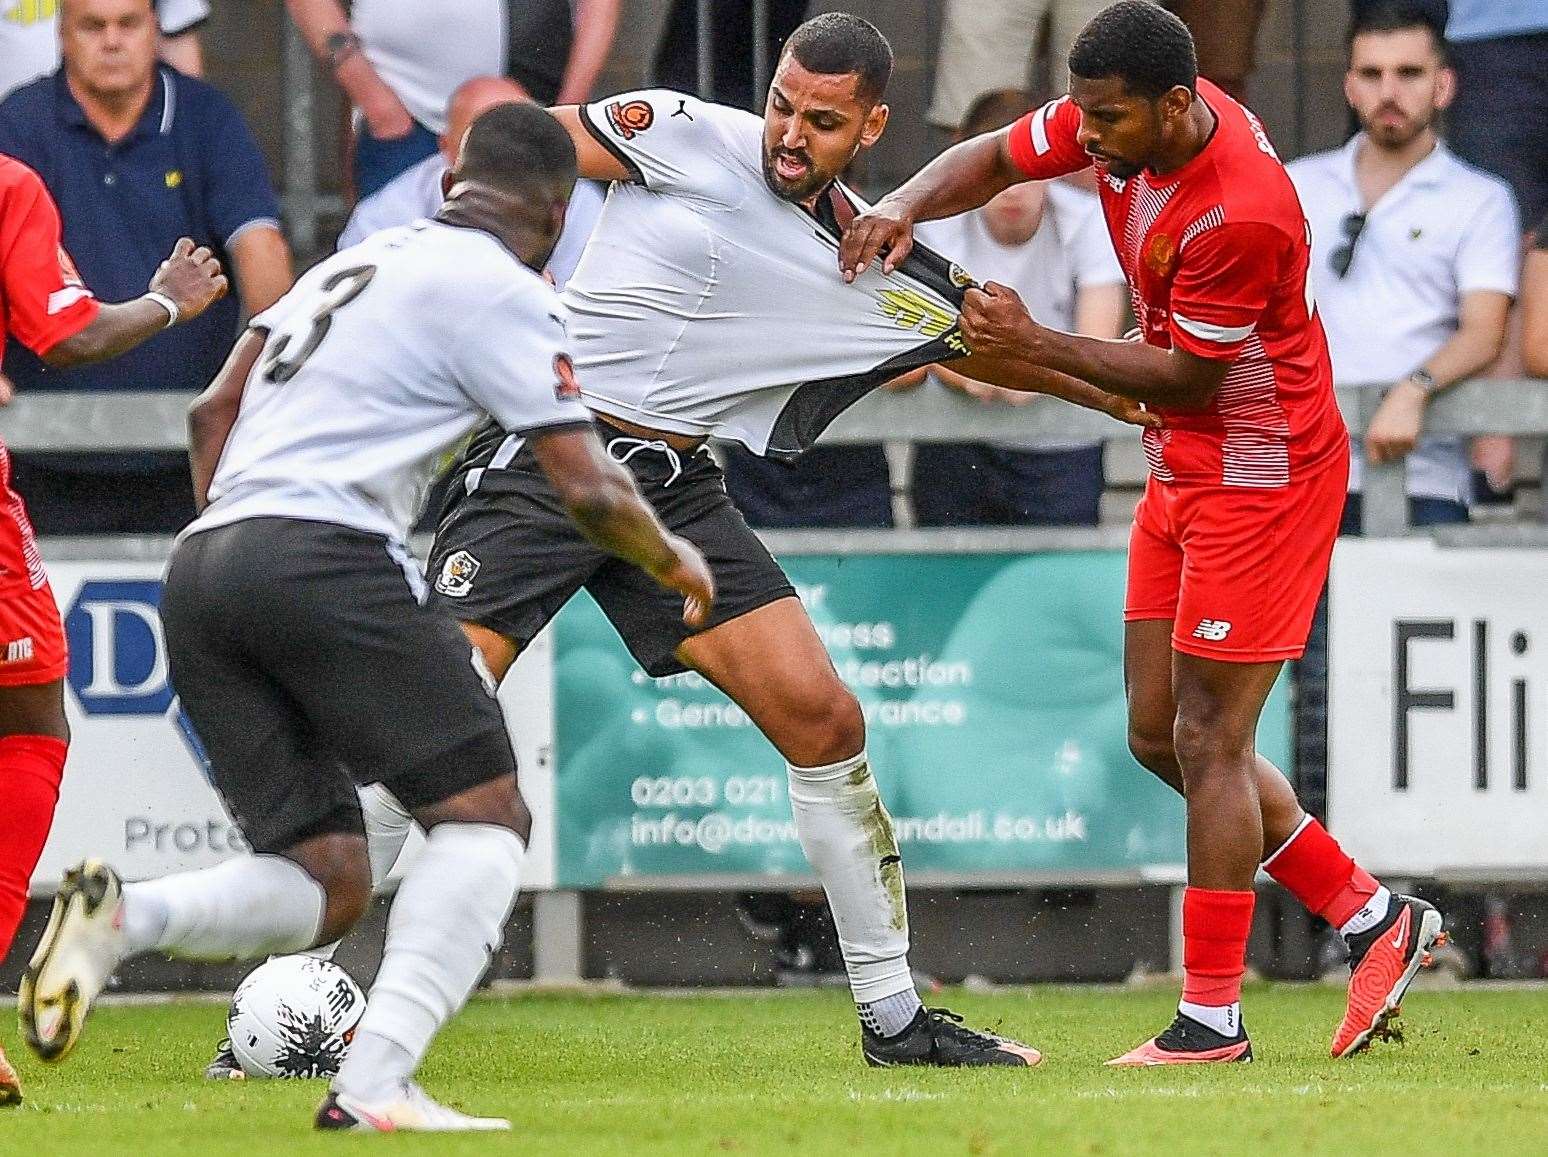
x,y
32,639
1237,570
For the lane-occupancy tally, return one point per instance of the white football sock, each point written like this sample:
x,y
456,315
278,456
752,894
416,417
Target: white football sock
x,y
1226,1019
891,1014
1371,913
250,906
387,827
848,839
446,921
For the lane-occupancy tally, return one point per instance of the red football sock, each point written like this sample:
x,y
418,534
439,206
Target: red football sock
x,y
1215,929
30,769
1317,872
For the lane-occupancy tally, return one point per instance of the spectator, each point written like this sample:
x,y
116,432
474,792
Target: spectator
x,y
1225,36
137,155
1534,304
987,46
399,61
731,49
29,40
1500,119
1414,254
417,192
1048,242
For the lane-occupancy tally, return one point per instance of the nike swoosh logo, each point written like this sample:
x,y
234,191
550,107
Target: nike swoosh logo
x,y
1400,933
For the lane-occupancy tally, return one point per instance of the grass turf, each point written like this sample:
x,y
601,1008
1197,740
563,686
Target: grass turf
x,y
781,1072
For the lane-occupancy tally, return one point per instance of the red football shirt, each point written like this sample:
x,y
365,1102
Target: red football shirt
x,y
1216,255
42,302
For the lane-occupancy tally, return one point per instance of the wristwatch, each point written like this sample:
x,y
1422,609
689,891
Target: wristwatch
x,y
1424,380
340,46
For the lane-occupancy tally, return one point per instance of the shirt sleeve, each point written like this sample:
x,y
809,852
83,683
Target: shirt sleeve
x,y
1224,278
45,300
1044,143
518,367
238,194
1489,255
669,142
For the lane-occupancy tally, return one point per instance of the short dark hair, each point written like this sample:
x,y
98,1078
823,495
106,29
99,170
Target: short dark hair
x,y
996,109
1401,16
1142,44
836,44
519,148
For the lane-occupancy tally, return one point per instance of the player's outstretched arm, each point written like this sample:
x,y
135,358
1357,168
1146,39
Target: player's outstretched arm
x,y
188,283
964,177
214,412
592,158
1027,378
999,330
604,502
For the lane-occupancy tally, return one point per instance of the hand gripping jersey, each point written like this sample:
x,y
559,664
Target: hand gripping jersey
x,y
378,362
1216,255
705,304
42,302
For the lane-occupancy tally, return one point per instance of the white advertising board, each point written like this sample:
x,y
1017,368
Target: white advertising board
x,y
1437,698
135,792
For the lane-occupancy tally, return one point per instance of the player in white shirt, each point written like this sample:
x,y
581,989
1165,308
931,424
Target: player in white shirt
x,y
706,304
300,647
1415,257
416,192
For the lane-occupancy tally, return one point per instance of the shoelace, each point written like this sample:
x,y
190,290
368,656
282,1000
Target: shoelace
x,y
952,1021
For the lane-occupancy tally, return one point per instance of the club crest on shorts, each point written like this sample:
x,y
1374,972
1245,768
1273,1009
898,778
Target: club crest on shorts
x,y
456,577
628,119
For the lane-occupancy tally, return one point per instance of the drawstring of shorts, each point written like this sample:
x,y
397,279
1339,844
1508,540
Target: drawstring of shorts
x,y
635,445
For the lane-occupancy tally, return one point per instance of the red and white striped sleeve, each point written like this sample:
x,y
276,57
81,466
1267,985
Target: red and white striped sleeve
x,y
1045,142
1225,276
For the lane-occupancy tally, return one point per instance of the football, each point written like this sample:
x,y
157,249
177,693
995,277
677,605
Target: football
x,y
294,1016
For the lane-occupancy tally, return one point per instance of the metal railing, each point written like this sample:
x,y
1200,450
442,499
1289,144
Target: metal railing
x,y
156,421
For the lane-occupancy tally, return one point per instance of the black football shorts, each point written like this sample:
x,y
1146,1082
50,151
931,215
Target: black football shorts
x,y
507,556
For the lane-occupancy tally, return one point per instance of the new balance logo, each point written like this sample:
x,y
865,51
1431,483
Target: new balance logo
x,y
1212,630
18,651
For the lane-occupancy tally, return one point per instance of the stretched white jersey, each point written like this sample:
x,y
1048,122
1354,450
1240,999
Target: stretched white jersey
x,y
705,304
378,363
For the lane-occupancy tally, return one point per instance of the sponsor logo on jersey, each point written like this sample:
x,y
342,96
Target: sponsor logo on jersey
x,y
18,650
630,118
566,389
456,577
1212,630
910,309
1160,254
960,277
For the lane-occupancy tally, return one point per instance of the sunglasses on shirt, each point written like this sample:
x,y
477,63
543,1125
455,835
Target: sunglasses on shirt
x,y
1343,257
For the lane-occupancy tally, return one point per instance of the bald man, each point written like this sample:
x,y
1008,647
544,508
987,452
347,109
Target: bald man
x,y
416,192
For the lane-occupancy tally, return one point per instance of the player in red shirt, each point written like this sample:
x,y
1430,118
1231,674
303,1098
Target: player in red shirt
x,y
46,307
1231,543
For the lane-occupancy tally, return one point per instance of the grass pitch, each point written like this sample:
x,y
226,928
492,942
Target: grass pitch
x,y
582,1075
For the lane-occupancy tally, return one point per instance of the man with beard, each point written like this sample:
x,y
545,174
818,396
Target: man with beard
x,y
706,304
1414,254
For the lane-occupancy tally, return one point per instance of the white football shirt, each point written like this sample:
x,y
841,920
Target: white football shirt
x,y
378,363
704,304
1444,230
425,51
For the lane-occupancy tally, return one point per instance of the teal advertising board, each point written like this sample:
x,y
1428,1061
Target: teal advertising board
x,y
993,693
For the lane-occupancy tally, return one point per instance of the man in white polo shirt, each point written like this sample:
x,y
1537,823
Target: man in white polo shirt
x,y
1415,255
